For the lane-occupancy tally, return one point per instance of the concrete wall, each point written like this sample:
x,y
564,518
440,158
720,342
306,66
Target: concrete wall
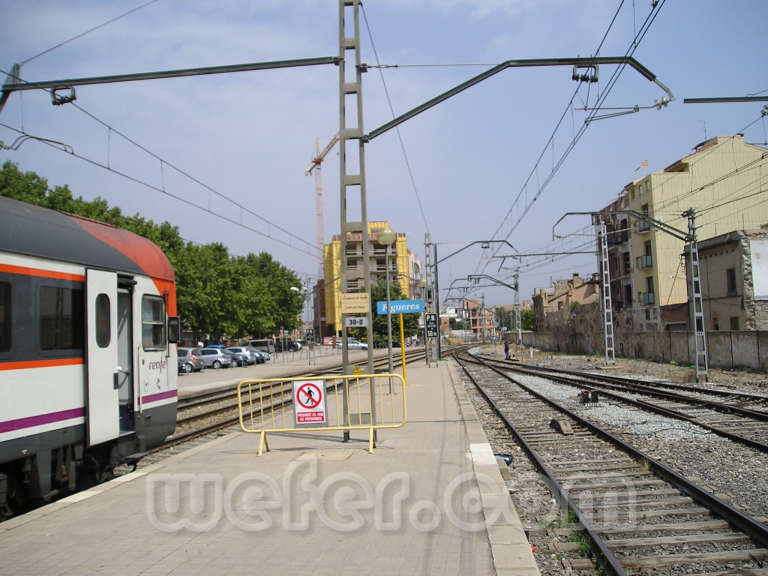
x,y
729,350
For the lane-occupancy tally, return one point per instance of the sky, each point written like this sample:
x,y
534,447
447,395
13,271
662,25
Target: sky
x,y
494,162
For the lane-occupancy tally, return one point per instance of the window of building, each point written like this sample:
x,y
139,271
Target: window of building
x,y
628,295
626,266
730,274
153,323
103,321
5,316
61,318
647,247
734,322
649,284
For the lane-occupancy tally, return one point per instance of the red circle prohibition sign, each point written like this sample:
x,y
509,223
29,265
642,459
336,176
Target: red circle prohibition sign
x,y
309,395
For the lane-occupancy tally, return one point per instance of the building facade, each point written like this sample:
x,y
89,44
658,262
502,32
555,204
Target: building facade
x,y
562,295
402,266
719,181
733,269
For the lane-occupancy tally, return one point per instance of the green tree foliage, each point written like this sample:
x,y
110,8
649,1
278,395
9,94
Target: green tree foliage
x,y
218,295
527,319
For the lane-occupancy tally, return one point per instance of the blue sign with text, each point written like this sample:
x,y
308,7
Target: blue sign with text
x,y
401,307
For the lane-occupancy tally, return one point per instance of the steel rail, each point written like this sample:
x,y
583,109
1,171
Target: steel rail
x,y
668,395
656,384
754,529
671,413
607,556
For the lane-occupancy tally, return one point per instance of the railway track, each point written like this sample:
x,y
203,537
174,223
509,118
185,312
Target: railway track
x,y
640,516
738,416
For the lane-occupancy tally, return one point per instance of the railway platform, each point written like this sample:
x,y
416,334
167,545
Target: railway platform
x,y
429,500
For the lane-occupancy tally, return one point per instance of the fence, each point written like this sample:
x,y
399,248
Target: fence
x,y
322,403
726,349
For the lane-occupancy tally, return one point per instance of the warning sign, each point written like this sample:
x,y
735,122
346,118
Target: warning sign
x,y
309,403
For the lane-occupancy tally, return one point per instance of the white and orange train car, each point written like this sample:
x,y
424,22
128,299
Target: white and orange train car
x,y
88,333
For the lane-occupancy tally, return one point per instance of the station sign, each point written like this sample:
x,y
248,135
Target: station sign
x,y
356,321
355,303
430,324
400,307
309,405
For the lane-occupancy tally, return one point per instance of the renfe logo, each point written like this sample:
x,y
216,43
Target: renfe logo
x,y
159,365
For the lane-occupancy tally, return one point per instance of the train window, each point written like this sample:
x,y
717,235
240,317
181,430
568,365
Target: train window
x,y
5,316
153,323
61,318
103,321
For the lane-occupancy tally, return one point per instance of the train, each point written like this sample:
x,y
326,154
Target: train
x,y
88,336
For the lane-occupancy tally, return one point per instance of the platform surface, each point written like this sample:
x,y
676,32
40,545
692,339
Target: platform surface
x,y
429,500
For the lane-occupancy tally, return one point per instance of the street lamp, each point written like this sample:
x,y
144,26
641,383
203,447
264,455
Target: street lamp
x,y
386,238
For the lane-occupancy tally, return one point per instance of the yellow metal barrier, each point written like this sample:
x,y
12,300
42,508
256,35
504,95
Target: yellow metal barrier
x,y
322,403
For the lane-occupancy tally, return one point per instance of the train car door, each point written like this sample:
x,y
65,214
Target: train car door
x,y
102,358
124,355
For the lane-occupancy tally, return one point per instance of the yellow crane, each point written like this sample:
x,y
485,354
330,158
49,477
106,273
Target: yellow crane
x,y
315,167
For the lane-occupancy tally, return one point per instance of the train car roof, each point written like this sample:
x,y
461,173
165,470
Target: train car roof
x,y
36,231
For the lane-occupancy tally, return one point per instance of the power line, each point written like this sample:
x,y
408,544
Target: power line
x,y
184,173
655,10
93,162
399,135
110,21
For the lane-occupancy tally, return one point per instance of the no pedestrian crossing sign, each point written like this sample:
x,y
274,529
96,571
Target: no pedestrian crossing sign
x,y
400,307
309,404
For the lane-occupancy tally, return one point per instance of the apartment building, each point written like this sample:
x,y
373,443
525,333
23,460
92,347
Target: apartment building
x,y
562,295
480,316
403,266
733,269
720,181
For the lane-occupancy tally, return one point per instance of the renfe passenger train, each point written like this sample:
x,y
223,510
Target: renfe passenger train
x,y
87,350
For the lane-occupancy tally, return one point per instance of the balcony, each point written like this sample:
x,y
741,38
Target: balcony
x,y
647,298
642,226
644,262
616,238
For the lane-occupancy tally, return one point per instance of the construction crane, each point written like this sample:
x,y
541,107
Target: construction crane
x,y
317,162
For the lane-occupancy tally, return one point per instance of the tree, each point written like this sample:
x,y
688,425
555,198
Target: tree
x,y
527,319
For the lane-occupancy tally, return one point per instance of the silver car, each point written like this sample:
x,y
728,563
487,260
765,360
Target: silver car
x,y
216,358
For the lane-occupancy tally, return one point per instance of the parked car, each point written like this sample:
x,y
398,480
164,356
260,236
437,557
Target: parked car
x,y
352,344
287,345
216,358
241,355
259,356
189,360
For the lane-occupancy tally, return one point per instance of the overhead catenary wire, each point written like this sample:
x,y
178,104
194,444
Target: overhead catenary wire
x,y
541,186
161,190
102,25
397,130
164,162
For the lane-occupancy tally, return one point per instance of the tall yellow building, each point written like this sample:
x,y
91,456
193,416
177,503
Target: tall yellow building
x,y
398,268
722,181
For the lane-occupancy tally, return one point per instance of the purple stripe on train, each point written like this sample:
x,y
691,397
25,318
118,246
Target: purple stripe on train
x,y
159,396
39,420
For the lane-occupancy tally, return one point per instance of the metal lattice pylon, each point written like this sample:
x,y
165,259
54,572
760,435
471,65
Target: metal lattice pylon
x,y
697,308
429,303
610,355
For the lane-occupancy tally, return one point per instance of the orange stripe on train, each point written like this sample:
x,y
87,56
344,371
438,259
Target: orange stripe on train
x,y
26,364
25,271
